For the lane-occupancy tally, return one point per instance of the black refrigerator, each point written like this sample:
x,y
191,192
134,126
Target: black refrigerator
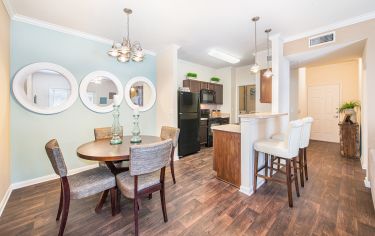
x,y
188,122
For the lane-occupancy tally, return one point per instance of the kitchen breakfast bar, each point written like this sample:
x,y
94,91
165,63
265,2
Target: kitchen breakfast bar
x,y
233,147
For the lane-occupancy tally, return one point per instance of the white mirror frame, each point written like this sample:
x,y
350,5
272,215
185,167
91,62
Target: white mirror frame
x,y
19,80
127,93
83,90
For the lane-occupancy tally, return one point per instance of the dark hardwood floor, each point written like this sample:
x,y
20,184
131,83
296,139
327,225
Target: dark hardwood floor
x,y
333,202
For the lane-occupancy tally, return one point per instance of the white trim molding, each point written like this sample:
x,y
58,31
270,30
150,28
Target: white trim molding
x,y
5,199
9,9
38,180
331,27
66,30
367,183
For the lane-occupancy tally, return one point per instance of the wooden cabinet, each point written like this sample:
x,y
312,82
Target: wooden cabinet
x,y
218,93
265,88
349,140
194,85
227,156
203,131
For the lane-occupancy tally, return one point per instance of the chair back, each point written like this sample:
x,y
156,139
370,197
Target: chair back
x,y
170,133
106,133
293,137
148,158
56,158
306,132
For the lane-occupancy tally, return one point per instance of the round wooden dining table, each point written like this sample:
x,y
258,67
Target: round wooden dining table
x,y
102,150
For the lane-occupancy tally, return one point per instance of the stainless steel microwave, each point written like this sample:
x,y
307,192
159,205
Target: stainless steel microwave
x,y
207,96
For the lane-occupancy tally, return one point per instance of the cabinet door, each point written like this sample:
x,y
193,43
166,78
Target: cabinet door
x,y
204,85
211,86
194,85
265,88
219,94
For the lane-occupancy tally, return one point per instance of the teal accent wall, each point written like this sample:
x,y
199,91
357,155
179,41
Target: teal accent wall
x,y
74,126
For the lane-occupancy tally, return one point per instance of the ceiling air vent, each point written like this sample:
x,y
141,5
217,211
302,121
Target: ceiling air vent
x,y
322,39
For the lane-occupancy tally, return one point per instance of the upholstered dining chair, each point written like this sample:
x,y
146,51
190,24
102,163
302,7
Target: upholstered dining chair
x,y
287,150
80,185
172,133
146,174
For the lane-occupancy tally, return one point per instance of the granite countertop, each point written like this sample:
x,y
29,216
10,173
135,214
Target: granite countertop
x,y
228,128
262,115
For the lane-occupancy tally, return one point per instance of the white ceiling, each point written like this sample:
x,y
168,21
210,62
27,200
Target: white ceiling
x,y
195,25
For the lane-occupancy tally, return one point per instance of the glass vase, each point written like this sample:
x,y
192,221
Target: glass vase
x,y
136,138
116,128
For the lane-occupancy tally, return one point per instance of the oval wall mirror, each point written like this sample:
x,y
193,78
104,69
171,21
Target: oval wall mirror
x,y
97,91
140,91
45,88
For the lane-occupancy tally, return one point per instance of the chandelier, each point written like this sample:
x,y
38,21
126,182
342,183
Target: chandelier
x,y
126,50
255,67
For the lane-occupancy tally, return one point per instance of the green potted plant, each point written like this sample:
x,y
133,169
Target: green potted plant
x,y
215,79
348,108
191,75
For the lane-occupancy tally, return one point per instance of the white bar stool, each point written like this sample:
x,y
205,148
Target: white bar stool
x,y
287,150
303,145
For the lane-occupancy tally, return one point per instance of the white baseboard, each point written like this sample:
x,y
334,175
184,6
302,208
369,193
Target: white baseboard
x,y
367,183
5,199
248,191
46,178
38,180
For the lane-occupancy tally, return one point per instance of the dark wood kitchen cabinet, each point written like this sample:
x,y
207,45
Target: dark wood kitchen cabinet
x,y
194,85
203,132
204,85
265,88
218,93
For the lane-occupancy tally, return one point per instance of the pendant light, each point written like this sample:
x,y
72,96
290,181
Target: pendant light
x,y
126,50
255,67
268,72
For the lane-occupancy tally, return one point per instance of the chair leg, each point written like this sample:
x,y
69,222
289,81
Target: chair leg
x,y
65,211
271,167
60,204
136,209
278,163
150,196
301,167
305,163
162,198
295,175
256,155
266,166
101,202
289,182
172,168
113,200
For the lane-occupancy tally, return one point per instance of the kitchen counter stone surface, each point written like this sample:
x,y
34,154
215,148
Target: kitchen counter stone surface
x,y
228,128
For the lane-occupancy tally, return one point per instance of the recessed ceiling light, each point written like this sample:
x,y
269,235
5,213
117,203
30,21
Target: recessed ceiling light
x,y
223,56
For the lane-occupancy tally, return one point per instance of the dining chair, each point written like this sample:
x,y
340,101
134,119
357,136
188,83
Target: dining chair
x,y
146,174
171,133
81,185
287,150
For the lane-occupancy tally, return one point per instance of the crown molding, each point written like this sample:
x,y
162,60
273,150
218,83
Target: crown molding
x,y
67,30
8,8
334,26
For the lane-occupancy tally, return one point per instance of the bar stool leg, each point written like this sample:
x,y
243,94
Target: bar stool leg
x,y
266,166
255,171
278,163
289,182
295,175
301,167
271,167
305,163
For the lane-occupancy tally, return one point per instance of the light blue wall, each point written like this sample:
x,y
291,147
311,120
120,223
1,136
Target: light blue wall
x,y
74,126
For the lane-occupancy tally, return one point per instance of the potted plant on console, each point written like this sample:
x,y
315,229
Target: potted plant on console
x,y
348,108
215,79
191,75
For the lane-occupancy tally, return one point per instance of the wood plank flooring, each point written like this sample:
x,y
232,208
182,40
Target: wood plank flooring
x,y
333,202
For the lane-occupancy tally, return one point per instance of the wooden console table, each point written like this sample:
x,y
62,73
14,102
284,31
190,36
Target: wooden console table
x,y
349,140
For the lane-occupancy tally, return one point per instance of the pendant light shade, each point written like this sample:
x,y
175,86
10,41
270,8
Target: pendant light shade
x,y
127,51
268,73
255,67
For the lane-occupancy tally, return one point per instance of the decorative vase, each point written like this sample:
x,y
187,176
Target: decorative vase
x,y
136,138
189,77
116,128
352,114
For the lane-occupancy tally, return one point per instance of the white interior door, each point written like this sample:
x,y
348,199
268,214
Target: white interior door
x,y
322,105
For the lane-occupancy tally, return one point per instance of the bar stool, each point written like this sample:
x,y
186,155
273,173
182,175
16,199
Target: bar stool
x,y
286,150
302,155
